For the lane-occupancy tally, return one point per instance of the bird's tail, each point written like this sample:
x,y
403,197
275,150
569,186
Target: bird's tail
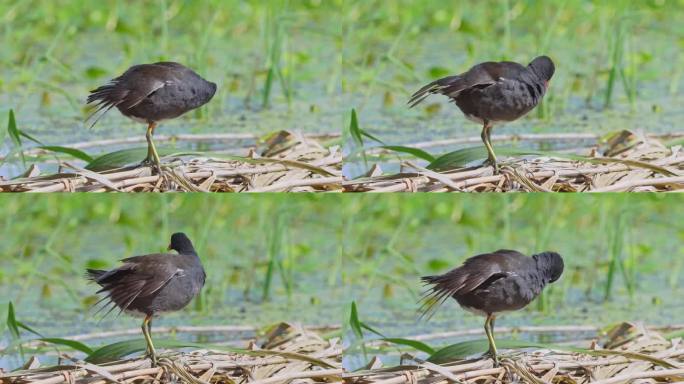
x,y
442,86
107,97
94,274
441,288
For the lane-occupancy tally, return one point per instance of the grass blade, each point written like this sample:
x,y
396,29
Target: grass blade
x,y
411,343
73,344
12,322
417,152
69,151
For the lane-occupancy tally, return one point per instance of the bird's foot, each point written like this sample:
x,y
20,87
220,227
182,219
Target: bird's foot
x,y
152,356
493,355
493,163
151,162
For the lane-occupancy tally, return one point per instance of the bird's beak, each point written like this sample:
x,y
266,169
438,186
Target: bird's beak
x,y
169,247
546,84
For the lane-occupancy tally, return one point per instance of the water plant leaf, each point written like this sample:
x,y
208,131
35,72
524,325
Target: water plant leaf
x,y
354,321
417,152
12,322
464,349
121,158
460,158
411,343
358,133
69,151
73,344
13,130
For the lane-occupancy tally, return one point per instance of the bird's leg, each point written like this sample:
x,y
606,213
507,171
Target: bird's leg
x,y
152,155
486,139
489,330
147,332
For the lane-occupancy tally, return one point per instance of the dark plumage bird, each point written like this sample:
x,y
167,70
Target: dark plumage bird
x,y
491,93
492,283
151,284
151,93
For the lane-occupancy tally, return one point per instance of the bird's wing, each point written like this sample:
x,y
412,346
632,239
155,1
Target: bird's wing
x,y
131,280
480,76
477,271
127,90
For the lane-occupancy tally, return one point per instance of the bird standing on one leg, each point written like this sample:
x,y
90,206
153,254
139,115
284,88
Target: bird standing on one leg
x,y
150,284
492,283
151,93
492,92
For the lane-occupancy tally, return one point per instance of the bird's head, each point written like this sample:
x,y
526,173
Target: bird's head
x,y
543,67
550,264
181,244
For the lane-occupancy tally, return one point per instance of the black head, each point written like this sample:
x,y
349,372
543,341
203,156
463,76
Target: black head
x,y
550,264
543,67
181,244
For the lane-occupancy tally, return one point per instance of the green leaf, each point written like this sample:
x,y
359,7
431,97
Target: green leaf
x,y
354,321
13,130
26,327
460,158
73,344
12,322
411,343
354,129
460,351
69,151
358,133
417,152
118,159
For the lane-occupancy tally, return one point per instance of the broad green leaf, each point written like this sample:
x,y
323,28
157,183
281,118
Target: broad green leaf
x,y
73,344
464,349
411,343
69,151
118,159
417,152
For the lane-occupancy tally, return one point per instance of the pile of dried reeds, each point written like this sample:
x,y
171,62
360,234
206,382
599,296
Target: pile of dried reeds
x,y
289,354
290,162
630,163
631,354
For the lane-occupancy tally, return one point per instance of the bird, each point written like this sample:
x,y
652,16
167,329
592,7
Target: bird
x,y
152,284
491,283
152,93
493,92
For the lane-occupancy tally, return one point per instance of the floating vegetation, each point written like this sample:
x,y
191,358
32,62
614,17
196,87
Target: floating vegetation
x,y
627,162
289,352
629,352
289,162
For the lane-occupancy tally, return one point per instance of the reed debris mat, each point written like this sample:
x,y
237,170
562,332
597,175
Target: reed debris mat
x,y
289,354
627,163
631,353
290,162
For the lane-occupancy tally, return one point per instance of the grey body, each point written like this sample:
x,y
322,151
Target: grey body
x,y
155,283
494,91
495,282
152,93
